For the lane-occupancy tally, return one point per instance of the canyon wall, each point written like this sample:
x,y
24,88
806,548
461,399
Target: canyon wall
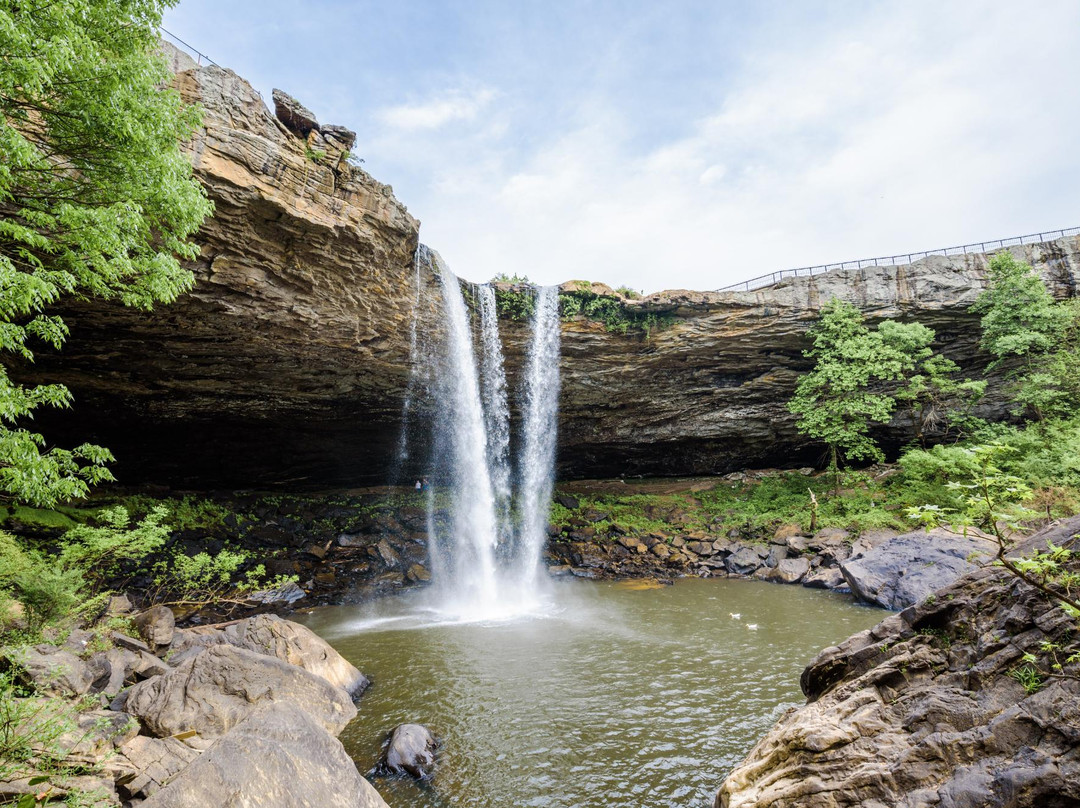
x,y
288,364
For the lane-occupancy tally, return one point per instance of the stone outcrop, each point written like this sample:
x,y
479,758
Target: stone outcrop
x,y
906,569
215,690
224,726
410,749
929,708
274,758
289,361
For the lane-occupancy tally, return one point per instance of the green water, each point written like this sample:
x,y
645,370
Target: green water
x,y
611,696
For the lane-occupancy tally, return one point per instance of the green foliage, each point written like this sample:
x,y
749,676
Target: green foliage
x,y
96,200
315,155
835,401
53,586
517,280
1022,322
515,304
204,578
616,316
627,292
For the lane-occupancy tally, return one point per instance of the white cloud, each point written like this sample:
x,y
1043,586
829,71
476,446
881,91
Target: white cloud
x,y
914,126
455,105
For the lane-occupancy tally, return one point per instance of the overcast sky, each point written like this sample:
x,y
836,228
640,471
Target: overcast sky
x,y
683,144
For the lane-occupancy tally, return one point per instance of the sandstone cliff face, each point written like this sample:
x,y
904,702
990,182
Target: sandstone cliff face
x,y
923,710
289,362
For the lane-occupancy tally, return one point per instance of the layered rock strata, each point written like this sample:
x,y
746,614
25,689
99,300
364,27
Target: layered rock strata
x,y
289,362
936,706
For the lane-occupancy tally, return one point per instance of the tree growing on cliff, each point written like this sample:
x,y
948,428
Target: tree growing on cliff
x,y
837,401
96,200
1023,323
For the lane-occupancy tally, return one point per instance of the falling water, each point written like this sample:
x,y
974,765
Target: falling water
x,y
496,410
470,548
484,564
537,473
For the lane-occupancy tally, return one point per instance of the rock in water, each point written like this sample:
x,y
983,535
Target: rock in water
x,y
924,709
906,569
277,757
410,750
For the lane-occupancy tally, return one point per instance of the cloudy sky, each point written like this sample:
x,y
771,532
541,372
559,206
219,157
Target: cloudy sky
x,y
683,144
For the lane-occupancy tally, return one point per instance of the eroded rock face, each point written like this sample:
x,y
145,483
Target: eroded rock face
x,y
922,710
289,362
277,757
213,691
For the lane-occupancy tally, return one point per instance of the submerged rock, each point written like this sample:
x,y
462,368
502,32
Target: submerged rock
x,y
410,749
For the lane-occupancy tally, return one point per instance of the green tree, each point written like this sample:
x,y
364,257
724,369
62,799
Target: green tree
x,y
1022,322
96,200
834,401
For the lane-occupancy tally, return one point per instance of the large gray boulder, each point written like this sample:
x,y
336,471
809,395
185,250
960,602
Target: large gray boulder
x,y
409,750
276,757
904,570
51,670
212,692
290,642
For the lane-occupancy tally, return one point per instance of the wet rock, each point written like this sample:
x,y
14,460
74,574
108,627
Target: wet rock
x,y
777,553
387,553
789,570
276,757
213,691
903,570
825,578
282,596
923,710
568,501
701,548
410,749
418,573
156,625
743,561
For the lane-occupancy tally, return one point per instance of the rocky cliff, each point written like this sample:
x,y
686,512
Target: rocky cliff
x,y
289,362
935,706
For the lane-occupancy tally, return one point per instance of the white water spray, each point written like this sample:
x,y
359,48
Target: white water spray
x,y
537,473
484,566
496,410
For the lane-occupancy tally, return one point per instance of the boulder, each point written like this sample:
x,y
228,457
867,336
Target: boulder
x,y
905,569
789,571
51,670
276,757
568,501
410,749
212,692
825,578
924,710
743,561
156,625
282,639
143,765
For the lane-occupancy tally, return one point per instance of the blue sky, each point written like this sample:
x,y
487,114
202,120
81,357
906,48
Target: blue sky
x,y
683,144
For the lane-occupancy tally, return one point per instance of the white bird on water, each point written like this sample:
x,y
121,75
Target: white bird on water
x,y
735,615
752,626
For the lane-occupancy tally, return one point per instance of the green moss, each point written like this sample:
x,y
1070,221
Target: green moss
x,y
36,517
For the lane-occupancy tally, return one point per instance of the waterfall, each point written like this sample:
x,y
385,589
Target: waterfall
x,y
496,410
473,527
537,473
486,564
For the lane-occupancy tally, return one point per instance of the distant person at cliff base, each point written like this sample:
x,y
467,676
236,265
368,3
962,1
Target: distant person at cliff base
x,y
419,486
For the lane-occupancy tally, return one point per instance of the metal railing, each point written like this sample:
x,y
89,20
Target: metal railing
x,y
772,278
198,54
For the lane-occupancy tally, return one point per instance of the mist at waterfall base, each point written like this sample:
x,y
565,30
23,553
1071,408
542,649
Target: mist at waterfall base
x,y
487,506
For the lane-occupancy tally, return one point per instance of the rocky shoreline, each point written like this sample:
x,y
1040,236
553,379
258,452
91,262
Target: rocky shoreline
x,y
960,700
242,714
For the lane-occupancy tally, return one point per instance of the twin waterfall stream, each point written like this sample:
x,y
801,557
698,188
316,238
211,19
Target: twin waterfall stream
x,y
490,479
